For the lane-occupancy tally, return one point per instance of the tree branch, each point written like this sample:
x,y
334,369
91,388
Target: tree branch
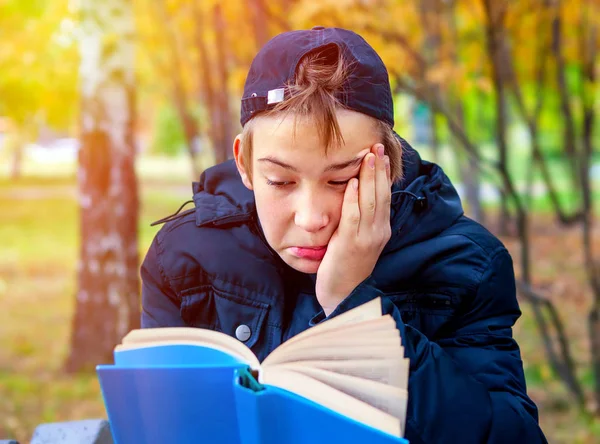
x,y
565,369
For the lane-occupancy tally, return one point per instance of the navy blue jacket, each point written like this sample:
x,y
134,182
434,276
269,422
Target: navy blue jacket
x,y
447,281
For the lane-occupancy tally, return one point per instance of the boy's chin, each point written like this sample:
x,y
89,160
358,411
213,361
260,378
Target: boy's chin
x,y
302,265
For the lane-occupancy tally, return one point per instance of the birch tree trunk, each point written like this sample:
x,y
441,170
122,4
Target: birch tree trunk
x,y
107,301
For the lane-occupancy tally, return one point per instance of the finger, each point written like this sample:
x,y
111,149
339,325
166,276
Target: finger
x,y
366,192
388,170
383,194
350,219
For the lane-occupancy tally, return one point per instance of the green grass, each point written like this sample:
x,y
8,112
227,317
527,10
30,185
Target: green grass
x,y
38,257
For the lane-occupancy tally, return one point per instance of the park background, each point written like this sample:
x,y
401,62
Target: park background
x,y
110,109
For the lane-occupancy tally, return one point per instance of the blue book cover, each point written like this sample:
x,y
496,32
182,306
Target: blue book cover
x,y
183,388
281,416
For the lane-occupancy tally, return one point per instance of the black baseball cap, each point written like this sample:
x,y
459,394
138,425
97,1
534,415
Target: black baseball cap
x,y
367,89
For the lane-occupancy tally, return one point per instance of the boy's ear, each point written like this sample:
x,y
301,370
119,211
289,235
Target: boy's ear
x,y
239,162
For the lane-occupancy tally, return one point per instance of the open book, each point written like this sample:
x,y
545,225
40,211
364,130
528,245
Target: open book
x,y
352,364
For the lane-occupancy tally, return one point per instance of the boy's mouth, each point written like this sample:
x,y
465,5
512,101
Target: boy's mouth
x,y
310,253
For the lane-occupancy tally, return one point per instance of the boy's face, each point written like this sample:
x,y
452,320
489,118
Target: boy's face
x,y
299,206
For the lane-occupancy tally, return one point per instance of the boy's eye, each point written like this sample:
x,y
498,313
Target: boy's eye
x,y
283,184
339,182
277,184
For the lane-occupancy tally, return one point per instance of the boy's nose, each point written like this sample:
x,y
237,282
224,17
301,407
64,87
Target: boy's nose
x,y
310,215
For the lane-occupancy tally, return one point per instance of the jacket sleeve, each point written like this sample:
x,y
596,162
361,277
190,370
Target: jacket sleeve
x,y
160,305
468,386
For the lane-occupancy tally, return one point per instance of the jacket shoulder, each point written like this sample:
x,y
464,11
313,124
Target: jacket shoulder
x,y
177,251
452,262
193,255
489,259
476,236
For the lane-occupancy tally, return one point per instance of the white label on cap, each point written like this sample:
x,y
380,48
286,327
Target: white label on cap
x,y
275,96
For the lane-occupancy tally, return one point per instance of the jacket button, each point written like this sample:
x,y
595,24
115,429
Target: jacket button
x,y
243,333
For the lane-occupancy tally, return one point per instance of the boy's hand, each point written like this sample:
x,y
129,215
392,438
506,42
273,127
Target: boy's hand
x,y
362,233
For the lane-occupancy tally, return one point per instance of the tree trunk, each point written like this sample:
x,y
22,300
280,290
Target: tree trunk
x,y
472,183
473,178
494,40
190,128
565,105
107,301
529,183
207,89
500,65
429,13
434,140
532,121
259,22
468,165
504,219
188,121
224,150
588,50
496,52
469,171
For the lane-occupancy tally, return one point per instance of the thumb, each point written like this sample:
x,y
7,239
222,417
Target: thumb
x,y
350,219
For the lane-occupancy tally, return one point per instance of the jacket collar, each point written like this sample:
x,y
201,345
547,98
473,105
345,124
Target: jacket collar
x,y
221,197
424,202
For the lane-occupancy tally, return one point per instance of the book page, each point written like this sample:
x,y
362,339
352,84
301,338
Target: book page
x,y
370,327
192,336
391,343
332,398
365,312
345,352
388,338
392,400
381,339
404,372
386,371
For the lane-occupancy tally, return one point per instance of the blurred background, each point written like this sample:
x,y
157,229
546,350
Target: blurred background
x,y
110,109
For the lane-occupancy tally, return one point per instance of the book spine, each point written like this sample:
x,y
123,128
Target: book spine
x,y
245,390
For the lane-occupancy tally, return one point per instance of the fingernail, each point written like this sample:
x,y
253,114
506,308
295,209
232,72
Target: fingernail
x,y
355,184
371,161
380,151
387,162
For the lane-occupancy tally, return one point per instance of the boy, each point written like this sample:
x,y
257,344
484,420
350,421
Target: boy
x,y
325,208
